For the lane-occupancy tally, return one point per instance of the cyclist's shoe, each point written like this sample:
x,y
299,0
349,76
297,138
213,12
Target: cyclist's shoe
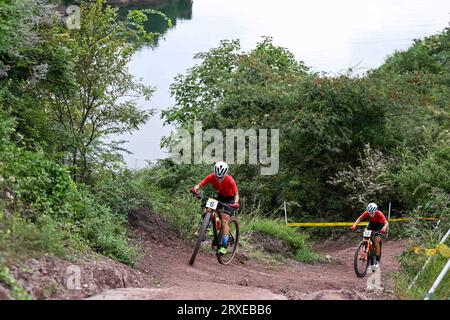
x,y
375,266
211,232
222,251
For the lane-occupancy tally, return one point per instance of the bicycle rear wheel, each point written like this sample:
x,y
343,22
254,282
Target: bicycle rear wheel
x,y
201,236
361,259
233,241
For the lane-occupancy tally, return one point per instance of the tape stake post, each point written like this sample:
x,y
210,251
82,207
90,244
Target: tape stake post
x,y
285,213
438,281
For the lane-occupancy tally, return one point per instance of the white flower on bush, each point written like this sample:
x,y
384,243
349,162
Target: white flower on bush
x,y
367,182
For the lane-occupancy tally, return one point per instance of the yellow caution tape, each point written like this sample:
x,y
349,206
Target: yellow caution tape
x,y
345,224
441,249
324,224
416,249
407,219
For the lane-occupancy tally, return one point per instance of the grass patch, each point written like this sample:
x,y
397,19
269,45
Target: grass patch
x,y
276,228
20,238
180,209
16,290
410,266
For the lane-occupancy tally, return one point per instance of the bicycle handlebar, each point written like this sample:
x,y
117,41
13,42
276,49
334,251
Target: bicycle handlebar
x,y
362,230
201,196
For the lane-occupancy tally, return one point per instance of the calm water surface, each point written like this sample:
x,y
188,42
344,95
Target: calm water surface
x,y
329,36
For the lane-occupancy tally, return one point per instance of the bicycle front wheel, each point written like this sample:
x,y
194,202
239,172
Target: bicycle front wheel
x,y
201,236
233,241
361,260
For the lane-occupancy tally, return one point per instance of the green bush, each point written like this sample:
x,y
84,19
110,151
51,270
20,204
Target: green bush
x,y
178,207
119,191
21,238
298,242
420,173
16,290
53,205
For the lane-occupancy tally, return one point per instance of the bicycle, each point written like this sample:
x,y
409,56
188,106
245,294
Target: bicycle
x,y
212,217
365,252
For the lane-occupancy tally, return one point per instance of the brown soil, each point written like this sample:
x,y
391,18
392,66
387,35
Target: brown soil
x,y
164,272
47,277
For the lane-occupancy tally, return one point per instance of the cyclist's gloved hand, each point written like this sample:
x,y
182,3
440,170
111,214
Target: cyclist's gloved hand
x,y
192,190
353,228
382,231
235,205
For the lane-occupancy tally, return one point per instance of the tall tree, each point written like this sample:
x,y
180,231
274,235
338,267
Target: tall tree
x,y
92,94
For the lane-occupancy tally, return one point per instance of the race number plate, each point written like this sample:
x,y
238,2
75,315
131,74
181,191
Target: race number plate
x,y
367,233
212,203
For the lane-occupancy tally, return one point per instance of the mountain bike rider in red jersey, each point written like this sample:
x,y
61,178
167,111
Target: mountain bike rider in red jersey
x,y
227,192
377,222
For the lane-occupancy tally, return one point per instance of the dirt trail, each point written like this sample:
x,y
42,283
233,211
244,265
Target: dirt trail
x,y
167,261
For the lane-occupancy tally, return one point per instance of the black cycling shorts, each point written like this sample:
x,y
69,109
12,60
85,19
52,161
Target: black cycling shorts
x,y
375,226
228,200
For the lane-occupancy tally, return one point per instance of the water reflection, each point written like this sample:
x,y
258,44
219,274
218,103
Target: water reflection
x,y
174,9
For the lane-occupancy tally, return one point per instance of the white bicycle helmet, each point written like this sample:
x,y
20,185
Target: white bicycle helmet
x,y
221,169
372,208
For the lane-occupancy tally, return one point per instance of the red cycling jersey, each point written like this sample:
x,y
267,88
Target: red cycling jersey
x,y
225,188
377,218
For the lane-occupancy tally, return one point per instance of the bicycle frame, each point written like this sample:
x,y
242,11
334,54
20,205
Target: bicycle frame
x,y
370,245
216,213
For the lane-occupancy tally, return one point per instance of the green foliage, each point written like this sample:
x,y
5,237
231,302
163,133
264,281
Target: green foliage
x,y
411,264
71,88
179,208
36,180
16,21
368,182
58,212
16,290
20,238
328,120
298,242
61,92
434,202
428,55
96,76
421,173
324,122
119,191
